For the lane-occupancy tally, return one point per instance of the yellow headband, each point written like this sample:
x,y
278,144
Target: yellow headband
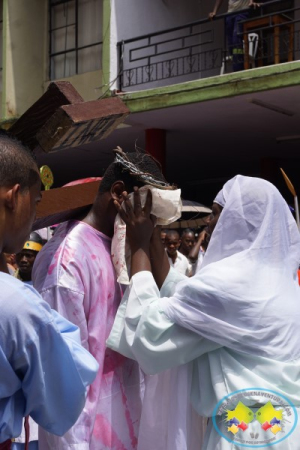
x,y
30,245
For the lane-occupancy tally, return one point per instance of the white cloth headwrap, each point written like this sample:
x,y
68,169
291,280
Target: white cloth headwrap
x,y
166,207
246,295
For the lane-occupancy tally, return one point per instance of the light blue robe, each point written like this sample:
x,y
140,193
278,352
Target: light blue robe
x,y
44,370
143,332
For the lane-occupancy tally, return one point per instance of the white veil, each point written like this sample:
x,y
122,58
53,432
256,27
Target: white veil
x,y
246,295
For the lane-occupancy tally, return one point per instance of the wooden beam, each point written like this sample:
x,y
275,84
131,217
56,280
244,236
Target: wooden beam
x,y
61,204
58,93
82,123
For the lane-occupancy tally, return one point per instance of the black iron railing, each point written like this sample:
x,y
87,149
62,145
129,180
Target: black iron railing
x,y
199,49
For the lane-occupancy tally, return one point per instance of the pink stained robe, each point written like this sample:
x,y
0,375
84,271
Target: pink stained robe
x,y
75,275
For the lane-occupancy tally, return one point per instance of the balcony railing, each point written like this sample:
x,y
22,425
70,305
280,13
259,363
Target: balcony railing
x,y
270,35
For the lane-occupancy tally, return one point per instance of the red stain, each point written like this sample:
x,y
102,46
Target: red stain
x,y
132,435
104,433
112,361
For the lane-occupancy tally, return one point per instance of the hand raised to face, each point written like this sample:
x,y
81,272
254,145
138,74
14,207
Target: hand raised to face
x,y
139,221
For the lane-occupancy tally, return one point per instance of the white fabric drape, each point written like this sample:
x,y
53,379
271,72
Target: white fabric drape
x,y
246,295
166,207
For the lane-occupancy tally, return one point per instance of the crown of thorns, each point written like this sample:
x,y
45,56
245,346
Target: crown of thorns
x,y
145,177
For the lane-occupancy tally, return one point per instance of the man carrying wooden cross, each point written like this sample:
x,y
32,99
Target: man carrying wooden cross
x,y
75,275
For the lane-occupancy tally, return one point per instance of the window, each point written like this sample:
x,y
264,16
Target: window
x,y
75,37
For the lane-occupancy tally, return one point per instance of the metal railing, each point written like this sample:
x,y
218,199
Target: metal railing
x,y
199,49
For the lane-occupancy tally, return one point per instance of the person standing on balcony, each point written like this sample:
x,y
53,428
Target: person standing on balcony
x,y
234,28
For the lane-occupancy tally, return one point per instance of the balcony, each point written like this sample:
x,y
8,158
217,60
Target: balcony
x,y
268,36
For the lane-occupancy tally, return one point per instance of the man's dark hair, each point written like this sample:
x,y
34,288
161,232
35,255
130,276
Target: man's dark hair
x,y
187,231
17,163
115,171
173,232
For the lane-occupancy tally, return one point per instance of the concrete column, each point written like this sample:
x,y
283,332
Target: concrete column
x,y
25,30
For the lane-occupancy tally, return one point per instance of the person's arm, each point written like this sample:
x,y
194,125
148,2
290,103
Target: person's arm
x,y
159,260
45,370
57,374
216,9
141,330
193,255
139,229
174,277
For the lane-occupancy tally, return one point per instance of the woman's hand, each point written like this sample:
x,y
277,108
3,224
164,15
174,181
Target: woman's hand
x,y
139,221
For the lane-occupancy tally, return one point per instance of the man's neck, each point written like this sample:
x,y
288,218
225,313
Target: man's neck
x,y
25,276
184,251
100,218
173,257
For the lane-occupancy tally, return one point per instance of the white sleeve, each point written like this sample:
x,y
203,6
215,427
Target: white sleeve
x,y
143,332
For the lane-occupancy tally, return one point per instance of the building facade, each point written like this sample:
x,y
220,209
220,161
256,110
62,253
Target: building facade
x,y
173,67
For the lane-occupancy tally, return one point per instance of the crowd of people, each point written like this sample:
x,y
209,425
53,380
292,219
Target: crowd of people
x,y
185,249
93,365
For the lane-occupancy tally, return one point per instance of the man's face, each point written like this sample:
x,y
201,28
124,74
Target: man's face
x,y
163,237
172,243
213,219
188,241
25,260
21,218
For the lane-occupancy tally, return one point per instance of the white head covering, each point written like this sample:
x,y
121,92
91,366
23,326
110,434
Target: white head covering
x,y
246,295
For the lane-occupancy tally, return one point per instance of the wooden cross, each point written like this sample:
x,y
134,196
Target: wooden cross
x,y
61,120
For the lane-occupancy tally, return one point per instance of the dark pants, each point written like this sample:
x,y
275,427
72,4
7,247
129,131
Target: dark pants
x,y
235,39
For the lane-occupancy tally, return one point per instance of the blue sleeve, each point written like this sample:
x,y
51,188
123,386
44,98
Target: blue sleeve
x,y
49,368
58,372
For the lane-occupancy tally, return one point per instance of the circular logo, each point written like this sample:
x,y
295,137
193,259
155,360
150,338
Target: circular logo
x,y
255,418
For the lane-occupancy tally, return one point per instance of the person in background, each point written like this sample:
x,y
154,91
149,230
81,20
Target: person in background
x,y
25,259
197,253
44,370
234,29
187,241
177,259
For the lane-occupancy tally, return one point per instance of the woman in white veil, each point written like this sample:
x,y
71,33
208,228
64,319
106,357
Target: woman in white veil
x,y
237,319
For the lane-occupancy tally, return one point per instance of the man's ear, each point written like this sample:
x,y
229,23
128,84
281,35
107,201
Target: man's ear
x,y
116,190
11,197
